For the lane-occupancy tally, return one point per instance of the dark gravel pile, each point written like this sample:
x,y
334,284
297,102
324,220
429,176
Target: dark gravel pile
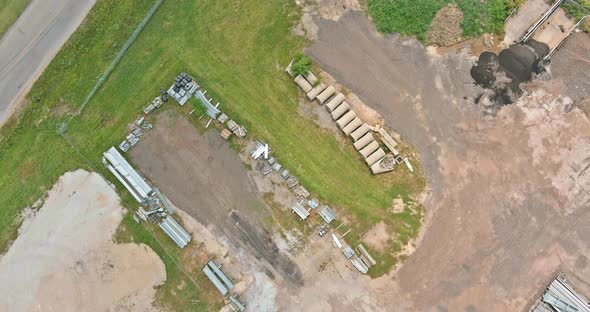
x,y
517,63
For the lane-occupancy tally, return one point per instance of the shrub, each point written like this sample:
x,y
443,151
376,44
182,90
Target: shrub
x,y
301,64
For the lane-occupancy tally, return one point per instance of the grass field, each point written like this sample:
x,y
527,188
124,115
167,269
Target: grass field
x,y
237,51
10,10
413,18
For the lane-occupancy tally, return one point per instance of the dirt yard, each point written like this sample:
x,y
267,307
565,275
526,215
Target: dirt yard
x,y
509,194
65,260
205,178
223,210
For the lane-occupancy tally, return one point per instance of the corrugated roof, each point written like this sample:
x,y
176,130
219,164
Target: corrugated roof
x,y
327,214
221,275
213,278
126,174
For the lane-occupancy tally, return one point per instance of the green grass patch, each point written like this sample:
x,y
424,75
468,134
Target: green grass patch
x,y
407,17
481,17
10,10
413,18
578,11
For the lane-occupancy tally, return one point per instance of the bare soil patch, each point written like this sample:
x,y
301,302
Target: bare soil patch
x,y
65,260
378,236
208,180
570,65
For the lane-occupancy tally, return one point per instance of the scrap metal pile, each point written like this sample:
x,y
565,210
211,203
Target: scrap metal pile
x,y
184,88
139,126
561,296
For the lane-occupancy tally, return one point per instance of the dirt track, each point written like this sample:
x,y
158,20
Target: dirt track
x,y
509,196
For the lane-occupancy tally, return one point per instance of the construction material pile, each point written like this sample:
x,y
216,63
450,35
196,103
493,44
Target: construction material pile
x,y
561,296
183,88
351,125
159,210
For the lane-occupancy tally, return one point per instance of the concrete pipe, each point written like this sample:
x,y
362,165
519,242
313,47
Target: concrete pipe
x,y
346,119
353,125
303,84
335,101
369,149
375,157
311,78
315,91
340,110
360,132
362,142
326,94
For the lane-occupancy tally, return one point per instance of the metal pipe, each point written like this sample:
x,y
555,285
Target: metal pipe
x,y
540,22
548,56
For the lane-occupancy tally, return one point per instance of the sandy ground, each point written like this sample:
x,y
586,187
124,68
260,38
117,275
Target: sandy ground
x,y
571,67
31,43
518,24
555,29
65,260
509,195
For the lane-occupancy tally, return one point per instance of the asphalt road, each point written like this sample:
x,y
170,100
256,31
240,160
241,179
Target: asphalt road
x,y
31,43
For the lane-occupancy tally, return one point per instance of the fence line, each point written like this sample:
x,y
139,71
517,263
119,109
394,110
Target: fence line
x,y
114,63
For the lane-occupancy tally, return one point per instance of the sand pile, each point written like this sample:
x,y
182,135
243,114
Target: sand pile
x,y
445,29
65,259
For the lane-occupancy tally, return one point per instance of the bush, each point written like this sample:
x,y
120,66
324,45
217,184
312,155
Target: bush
x,y
301,64
407,17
